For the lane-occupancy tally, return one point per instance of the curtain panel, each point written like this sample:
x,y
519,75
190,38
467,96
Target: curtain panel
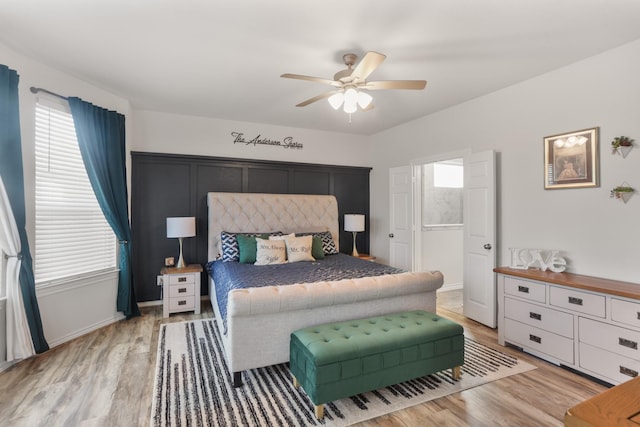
x,y
12,174
101,138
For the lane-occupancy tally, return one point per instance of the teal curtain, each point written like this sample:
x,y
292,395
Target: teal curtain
x,y
13,177
101,137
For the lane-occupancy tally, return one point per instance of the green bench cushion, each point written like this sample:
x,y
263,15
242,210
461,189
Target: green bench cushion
x,y
345,358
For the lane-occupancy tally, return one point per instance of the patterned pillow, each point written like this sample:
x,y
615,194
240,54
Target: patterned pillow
x,y
328,244
230,248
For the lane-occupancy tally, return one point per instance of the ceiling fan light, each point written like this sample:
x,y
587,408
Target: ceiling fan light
x,y
350,107
336,100
351,96
364,99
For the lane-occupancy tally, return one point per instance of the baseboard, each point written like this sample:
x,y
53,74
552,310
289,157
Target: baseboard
x,y
86,330
451,287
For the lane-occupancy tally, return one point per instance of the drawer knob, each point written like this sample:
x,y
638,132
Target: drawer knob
x,y
629,372
182,303
182,279
574,300
182,290
523,289
628,343
535,339
535,315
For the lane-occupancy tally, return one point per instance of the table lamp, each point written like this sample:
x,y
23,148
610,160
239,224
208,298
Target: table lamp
x,y
354,223
181,227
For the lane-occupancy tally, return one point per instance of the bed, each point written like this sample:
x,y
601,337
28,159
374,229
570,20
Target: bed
x,y
259,320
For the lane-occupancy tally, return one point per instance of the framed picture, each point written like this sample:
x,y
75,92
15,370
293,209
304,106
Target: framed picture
x,y
571,160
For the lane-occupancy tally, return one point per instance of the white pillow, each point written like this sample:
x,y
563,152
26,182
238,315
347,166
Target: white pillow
x,y
270,252
299,248
283,237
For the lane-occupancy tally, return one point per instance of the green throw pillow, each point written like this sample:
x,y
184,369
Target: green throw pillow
x,y
316,248
248,247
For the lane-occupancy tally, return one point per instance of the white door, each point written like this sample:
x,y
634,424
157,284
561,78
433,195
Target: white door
x,y
480,300
400,218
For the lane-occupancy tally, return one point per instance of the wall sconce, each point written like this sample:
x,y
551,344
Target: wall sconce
x,y
181,227
355,224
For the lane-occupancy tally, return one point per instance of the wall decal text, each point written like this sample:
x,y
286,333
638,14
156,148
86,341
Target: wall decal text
x,y
286,142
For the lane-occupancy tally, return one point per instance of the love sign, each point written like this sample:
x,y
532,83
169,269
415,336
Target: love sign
x,y
537,258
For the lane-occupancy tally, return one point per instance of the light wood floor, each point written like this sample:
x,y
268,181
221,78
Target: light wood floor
x,y
105,378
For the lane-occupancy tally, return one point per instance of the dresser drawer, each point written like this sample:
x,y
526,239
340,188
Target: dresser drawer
x,y
182,304
582,302
181,279
177,291
612,338
525,289
610,365
625,312
540,317
556,346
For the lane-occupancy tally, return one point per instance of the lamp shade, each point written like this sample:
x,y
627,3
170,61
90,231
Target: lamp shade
x,y
181,226
353,222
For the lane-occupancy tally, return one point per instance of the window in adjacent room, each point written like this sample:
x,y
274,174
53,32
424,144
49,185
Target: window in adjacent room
x,y
72,236
443,191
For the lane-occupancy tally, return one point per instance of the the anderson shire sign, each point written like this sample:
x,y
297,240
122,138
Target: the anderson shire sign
x,y
287,142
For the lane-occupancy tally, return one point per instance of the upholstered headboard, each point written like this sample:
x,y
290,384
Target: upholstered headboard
x,y
253,212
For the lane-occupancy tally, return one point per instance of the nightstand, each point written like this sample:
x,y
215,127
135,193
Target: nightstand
x,y
367,257
181,289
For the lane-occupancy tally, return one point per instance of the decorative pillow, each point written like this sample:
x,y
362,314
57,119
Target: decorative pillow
x,y
247,246
281,236
328,244
230,249
316,248
299,248
270,252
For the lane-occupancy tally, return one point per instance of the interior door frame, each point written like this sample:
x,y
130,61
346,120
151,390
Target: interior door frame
x,y
416,170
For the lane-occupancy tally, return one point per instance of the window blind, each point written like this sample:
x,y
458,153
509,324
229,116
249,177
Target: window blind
x,y
72,236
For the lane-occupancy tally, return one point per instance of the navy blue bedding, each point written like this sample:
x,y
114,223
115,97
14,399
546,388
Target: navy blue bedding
x,y
234,275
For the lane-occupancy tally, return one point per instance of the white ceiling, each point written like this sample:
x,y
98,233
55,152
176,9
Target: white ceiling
x,y
224,59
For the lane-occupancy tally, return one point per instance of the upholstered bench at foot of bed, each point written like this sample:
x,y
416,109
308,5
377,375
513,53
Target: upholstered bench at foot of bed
x,y
342,359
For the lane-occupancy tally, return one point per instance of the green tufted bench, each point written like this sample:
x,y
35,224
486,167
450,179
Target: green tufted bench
x,y
343,359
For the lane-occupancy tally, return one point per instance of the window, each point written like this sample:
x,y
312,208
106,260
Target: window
x,y
72,236
442,194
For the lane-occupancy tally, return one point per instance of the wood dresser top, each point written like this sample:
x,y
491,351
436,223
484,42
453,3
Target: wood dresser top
x,y
589,283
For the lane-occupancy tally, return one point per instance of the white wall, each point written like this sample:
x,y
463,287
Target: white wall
x,y
598,235
172,133
84,307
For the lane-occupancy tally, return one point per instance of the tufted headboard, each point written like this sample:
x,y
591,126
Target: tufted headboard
x,y
254,212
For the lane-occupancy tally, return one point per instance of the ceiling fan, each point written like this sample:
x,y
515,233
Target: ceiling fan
x,y
350,83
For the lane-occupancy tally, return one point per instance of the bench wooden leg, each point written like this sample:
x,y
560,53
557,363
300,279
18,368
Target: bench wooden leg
x,y
455,372
296,384
320,411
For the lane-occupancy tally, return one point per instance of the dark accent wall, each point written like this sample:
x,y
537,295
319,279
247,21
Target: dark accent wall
x,y
167,185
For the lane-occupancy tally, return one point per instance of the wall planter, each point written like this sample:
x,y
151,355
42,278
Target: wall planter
x,y
622,192
621,145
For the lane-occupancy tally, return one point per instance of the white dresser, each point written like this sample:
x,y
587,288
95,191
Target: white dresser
x,y
586,323
181,289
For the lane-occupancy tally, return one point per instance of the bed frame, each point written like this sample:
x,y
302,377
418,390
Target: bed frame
x,y
260,320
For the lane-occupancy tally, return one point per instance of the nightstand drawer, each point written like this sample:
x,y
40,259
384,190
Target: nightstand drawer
x,y
177,291
536,339
540,317
525,289
574,300
181,279
182,304
625,312
615,339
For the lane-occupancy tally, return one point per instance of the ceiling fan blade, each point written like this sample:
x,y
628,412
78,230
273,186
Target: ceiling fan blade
x,y
312,79
317,98
369,107
396,84
369,63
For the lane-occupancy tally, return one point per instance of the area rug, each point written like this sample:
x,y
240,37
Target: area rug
x,y
193,386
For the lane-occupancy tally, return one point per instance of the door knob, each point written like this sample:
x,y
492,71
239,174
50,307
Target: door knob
x,y
391,235
487,246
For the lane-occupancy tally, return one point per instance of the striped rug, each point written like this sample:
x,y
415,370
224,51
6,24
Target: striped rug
x,y
192,385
